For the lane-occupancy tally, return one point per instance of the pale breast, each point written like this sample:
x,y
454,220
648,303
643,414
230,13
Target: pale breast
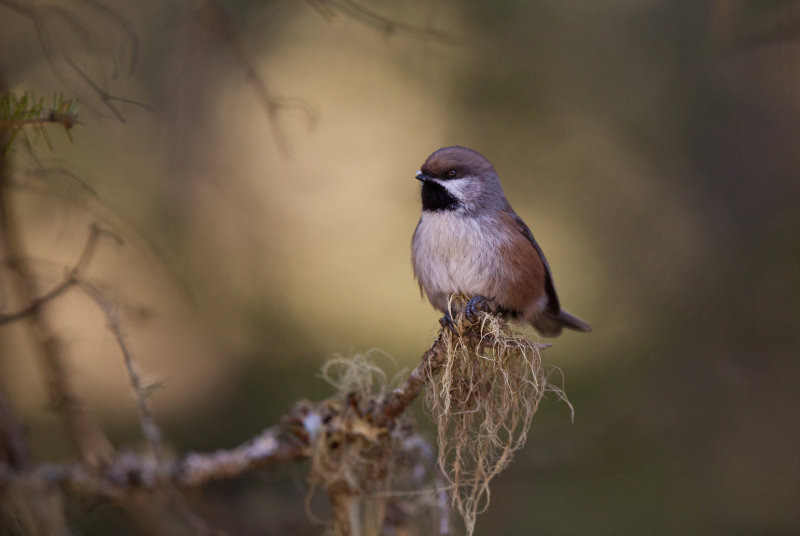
x,y
453,253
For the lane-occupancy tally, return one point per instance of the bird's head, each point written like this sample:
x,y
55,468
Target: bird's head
x,y
460,179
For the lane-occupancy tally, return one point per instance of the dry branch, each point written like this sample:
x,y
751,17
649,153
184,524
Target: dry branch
x,y
372,18
289,441
82,428
150,429
306,429
72,278
129,472
399,399
213,20
51,22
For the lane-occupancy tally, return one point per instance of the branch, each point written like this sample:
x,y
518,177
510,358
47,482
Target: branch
x,y
33,306
150,430
370,17
432,360
83,430
66,120
27,112
69,280
213,18
399,399
43,16
288,441
264,450
129,472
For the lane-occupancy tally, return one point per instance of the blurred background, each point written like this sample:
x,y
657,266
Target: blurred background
x,y
258,160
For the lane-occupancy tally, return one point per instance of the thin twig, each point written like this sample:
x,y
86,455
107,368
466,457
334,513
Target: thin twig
x,y
33,306
69,280
369,17
66,120
124,25
38,171
83,430
213,17
150,429
43,14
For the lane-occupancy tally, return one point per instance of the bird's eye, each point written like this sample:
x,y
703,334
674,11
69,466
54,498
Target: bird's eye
x,y
451,174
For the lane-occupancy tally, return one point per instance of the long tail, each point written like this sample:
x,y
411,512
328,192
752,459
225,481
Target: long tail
x,y
550,324
573,322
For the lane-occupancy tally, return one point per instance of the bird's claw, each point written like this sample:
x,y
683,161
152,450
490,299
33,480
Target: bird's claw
x,y
475,305
447,322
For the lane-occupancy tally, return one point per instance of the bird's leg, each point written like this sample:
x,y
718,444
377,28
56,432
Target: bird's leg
x,y
447,322
475,305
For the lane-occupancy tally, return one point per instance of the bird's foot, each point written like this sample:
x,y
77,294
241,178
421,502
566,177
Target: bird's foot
x,y
447,322
476,304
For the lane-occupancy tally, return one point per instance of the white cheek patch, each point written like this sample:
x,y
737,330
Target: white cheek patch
x,y
458,188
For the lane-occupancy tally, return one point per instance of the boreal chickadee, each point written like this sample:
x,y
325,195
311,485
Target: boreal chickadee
x,y
470,241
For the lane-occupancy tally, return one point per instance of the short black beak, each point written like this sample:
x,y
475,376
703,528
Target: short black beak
x,y
420,176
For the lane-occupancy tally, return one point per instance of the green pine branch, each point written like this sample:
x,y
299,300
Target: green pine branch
x,y
28,115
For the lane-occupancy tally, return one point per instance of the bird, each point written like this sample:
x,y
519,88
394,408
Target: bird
x,y
469,241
